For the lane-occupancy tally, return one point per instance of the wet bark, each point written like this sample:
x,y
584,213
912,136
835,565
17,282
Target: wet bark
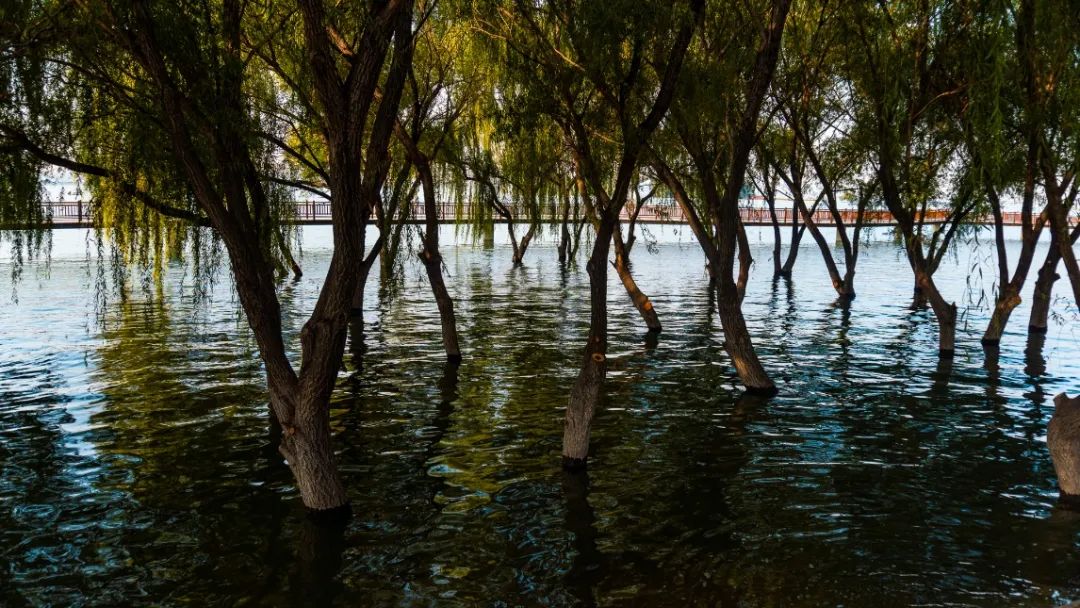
x,y
641,301
1038,323
519,247
797,230
564,230
737,340
1059,224
794,180
585,394
921,266
432,260
1063,440
1009,286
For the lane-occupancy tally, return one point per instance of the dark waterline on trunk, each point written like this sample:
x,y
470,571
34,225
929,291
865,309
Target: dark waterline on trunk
x,y
137,464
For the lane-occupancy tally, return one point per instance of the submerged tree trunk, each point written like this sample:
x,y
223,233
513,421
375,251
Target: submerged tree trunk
x,y
737,341
1009,287
523,245
564,232
585,394
641,301
432,260
944,311
307,447
797,230
777,239
1044,284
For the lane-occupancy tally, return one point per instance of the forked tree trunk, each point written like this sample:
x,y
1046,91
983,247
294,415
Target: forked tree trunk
x,y
737,341
1044,285
641,301
945,312
307,447
1059,223
837,281
585,394
523,245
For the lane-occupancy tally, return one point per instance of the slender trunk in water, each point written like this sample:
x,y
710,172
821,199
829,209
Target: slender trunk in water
x,y
1059,220
640,300
585,395
1044,287
737,340
564,239
432,260
944,311
777,239
746,260
823,245
721,264
1044,284
797,230
1007,301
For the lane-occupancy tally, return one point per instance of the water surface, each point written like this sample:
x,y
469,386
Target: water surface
x,y
137,467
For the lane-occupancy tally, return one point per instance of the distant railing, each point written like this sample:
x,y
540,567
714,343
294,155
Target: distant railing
x,y
77,213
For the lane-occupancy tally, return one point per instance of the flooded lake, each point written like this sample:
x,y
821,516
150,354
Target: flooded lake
x,y
137,464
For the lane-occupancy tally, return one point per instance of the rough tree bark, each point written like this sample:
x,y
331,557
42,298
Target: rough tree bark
x,y
641,301
1063,440
1038,323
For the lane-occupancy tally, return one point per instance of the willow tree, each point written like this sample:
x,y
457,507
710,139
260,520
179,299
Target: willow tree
x,y
1048,47
1003,158
182,75
606,73
511,157
715,123
901,61
439,90
818,138
765,180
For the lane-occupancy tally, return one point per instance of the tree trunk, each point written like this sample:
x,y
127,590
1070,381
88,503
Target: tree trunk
x,y
1044,284
737,340
640,300
945,313
797,230
1063,440
523,245
564,239
585,395
432,260
1059,223
823,245
1007,301
306,445
777,239
746,260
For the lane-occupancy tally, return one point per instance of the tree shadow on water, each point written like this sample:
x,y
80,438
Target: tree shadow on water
x,y
320,547
589,564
